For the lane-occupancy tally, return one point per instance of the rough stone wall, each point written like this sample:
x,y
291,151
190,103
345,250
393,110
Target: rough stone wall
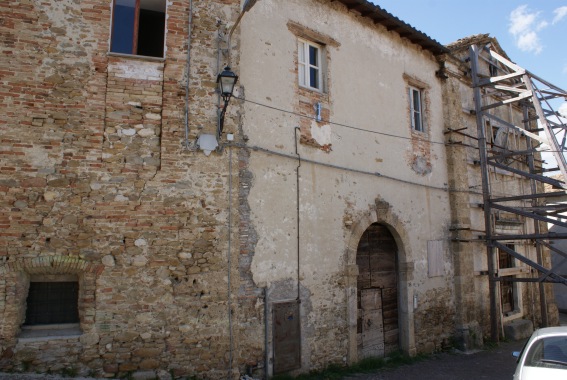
x,y
94,172
434,324
467,335
251,299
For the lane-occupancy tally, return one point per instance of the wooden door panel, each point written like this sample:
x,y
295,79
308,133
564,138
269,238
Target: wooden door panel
x,y
377,323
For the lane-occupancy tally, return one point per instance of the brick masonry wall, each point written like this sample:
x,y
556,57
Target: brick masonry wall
x,y
94,172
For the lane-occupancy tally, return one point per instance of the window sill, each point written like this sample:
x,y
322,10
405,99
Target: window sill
x,y
49,332
419,133
138,57
512,315
320,95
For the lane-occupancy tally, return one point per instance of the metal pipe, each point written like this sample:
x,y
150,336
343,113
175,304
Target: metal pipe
x,y
266,334
297,211
190,28
247,6
537,230
219,52
229,262
494,317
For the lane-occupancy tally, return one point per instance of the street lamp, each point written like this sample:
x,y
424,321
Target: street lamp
x,y
226,81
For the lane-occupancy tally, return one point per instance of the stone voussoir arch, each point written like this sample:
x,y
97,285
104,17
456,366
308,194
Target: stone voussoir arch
x,y
50,265
381,212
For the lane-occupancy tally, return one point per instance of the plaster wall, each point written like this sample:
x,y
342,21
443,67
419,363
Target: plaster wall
x,y
374,158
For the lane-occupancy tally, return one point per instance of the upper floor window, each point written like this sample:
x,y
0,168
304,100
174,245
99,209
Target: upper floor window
x,y
416,109
310,65
138,27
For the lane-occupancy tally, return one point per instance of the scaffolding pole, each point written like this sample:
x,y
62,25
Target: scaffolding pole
x,y
508,85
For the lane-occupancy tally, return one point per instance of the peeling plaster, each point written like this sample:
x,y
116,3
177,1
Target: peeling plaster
x,y
322,134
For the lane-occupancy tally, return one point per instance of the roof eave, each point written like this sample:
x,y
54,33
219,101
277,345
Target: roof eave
x,y
380,16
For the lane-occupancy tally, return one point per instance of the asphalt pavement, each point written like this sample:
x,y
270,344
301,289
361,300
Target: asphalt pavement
x,y
496,363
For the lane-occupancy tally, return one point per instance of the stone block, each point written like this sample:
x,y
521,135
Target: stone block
x,y
144,375
518,329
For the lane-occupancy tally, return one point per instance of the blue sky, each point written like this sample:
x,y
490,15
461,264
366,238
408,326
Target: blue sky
x,y
532,32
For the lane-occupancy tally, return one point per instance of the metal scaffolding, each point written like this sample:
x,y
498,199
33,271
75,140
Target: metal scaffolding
x,y
542,130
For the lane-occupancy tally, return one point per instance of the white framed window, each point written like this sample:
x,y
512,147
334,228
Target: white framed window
x,y
310,66
138,27
416,109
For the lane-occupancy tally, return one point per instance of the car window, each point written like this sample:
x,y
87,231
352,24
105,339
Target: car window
x,y
548,352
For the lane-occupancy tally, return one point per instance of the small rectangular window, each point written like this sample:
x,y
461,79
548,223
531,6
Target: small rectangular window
x,y
52,303
416,109
138,27
310,68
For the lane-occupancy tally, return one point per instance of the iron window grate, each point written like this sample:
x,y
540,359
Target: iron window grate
x,y
52,303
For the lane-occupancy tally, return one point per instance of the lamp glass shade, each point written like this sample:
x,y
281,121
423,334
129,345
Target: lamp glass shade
x,y
226,80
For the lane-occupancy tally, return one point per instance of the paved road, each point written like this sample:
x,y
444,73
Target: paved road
x,y
493,364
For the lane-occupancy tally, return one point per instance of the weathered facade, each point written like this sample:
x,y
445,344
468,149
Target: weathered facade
x,y
324,228
517,302
98,187
359,168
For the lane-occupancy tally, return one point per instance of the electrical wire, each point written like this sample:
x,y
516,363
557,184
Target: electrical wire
x,y
363,129
344,168
335,123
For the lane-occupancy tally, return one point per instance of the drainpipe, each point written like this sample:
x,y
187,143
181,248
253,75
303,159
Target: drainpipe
x,y
297,212
190,27
266,334
229,262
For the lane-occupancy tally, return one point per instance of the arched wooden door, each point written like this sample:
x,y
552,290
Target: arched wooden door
x,y
377,292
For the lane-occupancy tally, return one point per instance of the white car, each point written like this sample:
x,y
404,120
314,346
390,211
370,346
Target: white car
x,y
544,356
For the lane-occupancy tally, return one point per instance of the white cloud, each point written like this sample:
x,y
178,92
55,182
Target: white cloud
x,y
524,26
563,110
560,13
529,42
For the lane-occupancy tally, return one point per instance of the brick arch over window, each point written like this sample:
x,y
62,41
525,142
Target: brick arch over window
x,y
16,274
382,213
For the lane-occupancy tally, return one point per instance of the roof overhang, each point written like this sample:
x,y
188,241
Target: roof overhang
x,y
380,16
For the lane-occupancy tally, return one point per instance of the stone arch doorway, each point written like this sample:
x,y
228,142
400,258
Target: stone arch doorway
x,y
377,293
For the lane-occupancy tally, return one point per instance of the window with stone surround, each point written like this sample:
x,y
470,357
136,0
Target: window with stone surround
x,y
138,27
51,307
417,105
312,59
310,68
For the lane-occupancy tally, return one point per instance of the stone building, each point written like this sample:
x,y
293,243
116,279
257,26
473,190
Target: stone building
x,y
315,224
